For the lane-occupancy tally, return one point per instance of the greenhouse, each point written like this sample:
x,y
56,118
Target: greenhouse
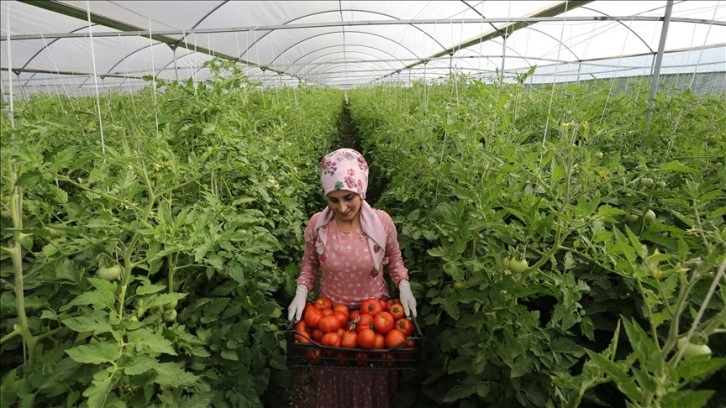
x,y
548,179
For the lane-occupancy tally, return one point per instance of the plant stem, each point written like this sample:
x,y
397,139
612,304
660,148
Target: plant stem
x,y
706,300
16,212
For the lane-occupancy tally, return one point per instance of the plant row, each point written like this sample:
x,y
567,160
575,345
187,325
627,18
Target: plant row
x,y
150,238
563,249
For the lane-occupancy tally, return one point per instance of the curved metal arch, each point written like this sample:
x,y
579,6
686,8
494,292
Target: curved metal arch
x,y
623,24
47,47
176,44
343,62
212,11
552,37
338,32
349,45
326,72
480,55
505,34
340,11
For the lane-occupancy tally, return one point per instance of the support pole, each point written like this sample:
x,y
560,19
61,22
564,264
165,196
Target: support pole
x,y
658,61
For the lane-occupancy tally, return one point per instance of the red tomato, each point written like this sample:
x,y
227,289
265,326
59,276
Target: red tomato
x,y
365,322
304,336
397,311
340,307
405,325
323,303
328,324
395,338
383,321
380,342
409,344
384,304
312,317
370,306
326,311
349,339
354,315
317,334
341,317
331,339
366,338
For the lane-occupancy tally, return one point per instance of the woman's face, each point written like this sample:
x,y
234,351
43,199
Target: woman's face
x,y
344,204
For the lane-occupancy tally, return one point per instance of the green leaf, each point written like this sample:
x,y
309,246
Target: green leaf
x,y
229,355
677,166
639,248
103,284
686,399
173,375
98,353
81,324
608,211
139,365
691,369
451,306
29,178
602,236
639,340
618,374
146,340
459,392
99,389
100,299
149,289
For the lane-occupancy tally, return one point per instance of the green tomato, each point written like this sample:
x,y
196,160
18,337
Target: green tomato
x,y
650,216
631,218
171,305
693,350
518,266
110,273
598,155
661,184
169,315
507,263
646,182
459,285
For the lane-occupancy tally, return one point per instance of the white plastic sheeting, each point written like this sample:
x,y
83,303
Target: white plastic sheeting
x,y
79,47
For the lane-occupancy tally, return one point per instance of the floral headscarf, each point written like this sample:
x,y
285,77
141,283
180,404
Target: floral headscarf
x,y
346,169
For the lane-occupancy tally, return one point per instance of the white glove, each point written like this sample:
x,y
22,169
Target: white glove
x,y
295,310
407,299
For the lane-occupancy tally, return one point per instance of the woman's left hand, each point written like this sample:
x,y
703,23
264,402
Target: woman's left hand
x,y
407,299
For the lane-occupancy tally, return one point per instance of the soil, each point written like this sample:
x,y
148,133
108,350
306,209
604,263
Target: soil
x,y
302,394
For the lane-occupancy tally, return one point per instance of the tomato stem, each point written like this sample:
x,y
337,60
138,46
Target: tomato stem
x,y
16,254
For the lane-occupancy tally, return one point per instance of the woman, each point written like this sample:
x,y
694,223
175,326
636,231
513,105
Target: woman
x,y
350,242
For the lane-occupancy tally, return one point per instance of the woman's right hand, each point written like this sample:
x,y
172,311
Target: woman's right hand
x,y
295,310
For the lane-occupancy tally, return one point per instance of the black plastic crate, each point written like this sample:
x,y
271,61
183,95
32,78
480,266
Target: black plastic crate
x,y
313,354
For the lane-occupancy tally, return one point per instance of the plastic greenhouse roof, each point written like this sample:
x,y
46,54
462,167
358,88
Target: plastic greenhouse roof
x,y
78,47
